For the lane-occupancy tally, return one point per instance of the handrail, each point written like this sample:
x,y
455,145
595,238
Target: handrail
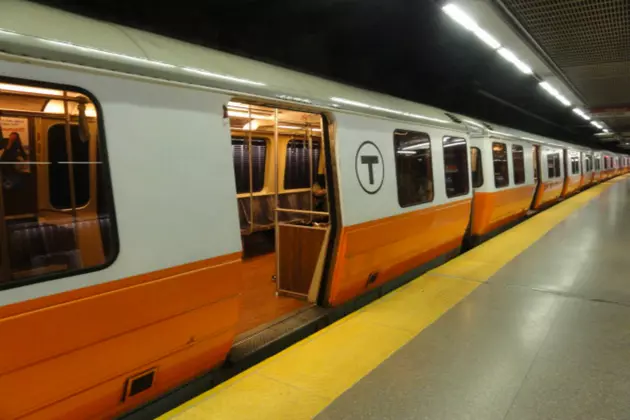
x,y
317,213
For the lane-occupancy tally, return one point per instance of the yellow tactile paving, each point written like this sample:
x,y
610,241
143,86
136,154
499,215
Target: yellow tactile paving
x,y
302,380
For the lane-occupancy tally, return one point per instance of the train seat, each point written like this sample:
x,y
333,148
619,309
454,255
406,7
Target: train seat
x,y
263,209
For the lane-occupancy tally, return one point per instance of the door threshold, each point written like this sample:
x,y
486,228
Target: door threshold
x,y
266,340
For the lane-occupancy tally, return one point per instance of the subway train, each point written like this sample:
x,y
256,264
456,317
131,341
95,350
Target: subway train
x,y
162,202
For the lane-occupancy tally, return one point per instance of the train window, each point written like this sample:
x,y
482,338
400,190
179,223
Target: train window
x,y
296,173
597,164
241,157
499,157
553,165
475,167
518,159
70,229
58,173
588,166
414,169
455,166
575,165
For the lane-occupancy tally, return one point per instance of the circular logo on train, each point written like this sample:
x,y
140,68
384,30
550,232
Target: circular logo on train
x,y
369,167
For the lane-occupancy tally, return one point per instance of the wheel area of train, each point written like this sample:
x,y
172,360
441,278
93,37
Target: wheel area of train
x,y
531,324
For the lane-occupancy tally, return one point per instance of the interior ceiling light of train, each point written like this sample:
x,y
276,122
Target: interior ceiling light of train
x,y
463,18
589,43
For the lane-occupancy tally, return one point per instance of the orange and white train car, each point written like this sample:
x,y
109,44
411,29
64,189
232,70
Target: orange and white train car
x,y
171,202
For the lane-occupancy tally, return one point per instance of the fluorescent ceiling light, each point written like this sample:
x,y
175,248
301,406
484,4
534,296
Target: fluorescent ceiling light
x,y
554,92
252,125
291,127
606,130
29,89
248,115
512,58
596,124
238,105
459,16
581,113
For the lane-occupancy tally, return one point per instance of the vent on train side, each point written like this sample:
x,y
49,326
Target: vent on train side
x,y
139,383
453,118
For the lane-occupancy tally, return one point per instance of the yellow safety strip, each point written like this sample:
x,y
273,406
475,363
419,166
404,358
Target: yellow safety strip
x,y
302,380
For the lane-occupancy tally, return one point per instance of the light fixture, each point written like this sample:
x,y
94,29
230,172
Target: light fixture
x,y
406,152
252,125
316,129
242,114
512,58
596,124
56,107
459,16
554,92
581,113
386,110
29,89
606,130
291,127
239,105
222,76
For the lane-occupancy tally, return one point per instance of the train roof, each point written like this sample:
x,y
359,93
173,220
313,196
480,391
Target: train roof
x,y
43,32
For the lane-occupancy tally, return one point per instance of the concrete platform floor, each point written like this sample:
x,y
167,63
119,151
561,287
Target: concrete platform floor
x,y
547,337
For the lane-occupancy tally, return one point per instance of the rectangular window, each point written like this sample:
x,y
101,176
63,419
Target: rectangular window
x,y
296,170
241,158
535,160
553,165
499,158
475,167
597,164
455,166
518,159
71,228
575,165
414,171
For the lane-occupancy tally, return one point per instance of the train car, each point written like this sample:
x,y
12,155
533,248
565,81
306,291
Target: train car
x,y
162,202
505,184
572,170
550,160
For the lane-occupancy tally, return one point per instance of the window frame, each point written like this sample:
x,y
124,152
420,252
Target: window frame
x,y
507,166
479,169
419,203
466,170
522,150
106,180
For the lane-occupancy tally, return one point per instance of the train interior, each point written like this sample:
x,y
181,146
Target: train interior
x,y
54,218
279,167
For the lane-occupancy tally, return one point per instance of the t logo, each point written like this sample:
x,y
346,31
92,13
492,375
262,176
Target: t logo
x,y
369,167
370,161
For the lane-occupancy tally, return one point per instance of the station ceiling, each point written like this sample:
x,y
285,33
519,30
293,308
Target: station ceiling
x,y
405,48
589,42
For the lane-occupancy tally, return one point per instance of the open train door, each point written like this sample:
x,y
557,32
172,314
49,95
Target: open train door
x,y
302,229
